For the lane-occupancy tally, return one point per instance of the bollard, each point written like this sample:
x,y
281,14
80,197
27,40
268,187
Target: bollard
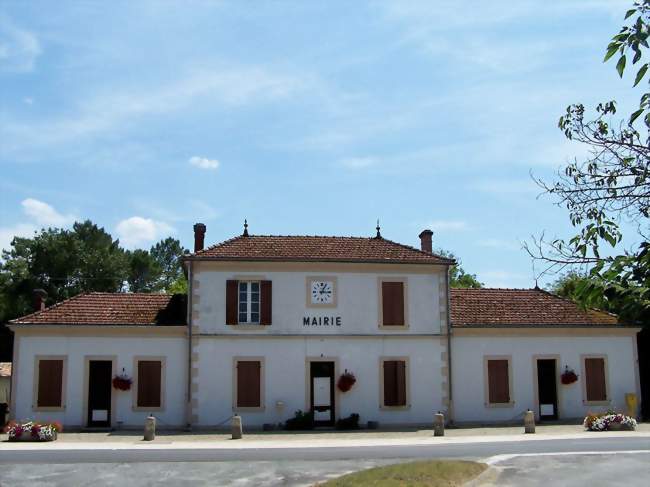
x,y
529,422
439,424
236,427
150,428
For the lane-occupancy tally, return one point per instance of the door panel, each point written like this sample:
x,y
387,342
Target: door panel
x,y
322,393
547,388
99,393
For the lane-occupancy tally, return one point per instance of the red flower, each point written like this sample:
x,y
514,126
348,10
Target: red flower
x,y
18,432
35,430
346,381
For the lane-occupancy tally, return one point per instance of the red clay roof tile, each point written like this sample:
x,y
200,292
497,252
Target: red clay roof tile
x,y
512,307
113,309
317,249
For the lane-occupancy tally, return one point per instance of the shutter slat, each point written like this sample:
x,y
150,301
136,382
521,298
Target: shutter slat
x,y
232,301
50,383
498,382
595,379
248,384
149,383
392,303
266,306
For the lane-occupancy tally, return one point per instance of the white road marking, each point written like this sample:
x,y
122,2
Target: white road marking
x,y
502,458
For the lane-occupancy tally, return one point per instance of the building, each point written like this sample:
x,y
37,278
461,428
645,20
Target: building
x,y
271,323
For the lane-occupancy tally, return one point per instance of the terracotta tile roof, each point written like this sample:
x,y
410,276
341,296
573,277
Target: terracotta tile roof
x,y
512,307
113,309
316,249
5,369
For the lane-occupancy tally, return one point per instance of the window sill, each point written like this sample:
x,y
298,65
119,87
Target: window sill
x,y
248,409
138,409
394,327
395,408
597,403
248,327
510,404
48,409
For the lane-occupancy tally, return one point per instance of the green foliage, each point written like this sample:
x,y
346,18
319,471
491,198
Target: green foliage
x,y
300,421
457,276
83,259
611,184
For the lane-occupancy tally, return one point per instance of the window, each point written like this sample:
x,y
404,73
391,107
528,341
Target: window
x,y
248,384
392,303
595,379
394,383
498,381
249,302
149,383
50,383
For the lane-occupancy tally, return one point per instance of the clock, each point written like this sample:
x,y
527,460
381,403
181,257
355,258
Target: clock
x,y
322,292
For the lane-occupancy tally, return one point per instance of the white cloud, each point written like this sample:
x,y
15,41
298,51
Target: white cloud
x,y
44,214
19,48
204,162
447,225
39,214
359,162
28,100
137,230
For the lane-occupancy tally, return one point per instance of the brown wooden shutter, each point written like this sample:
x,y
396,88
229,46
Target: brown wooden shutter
x,y
248,384
595,379
392,303
498,382
232,301
50,384
394,383
149,383
266,305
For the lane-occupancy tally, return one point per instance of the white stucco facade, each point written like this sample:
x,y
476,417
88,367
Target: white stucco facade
x,y
286,347
568,347
121,348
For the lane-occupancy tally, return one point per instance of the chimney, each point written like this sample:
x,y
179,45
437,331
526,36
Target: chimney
x,y
39,299
425,241
199,236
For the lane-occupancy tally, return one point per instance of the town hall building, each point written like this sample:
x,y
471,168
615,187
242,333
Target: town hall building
x,y
334,326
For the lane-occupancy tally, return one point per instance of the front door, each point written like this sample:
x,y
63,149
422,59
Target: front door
x,y
547,388
322,392
99,393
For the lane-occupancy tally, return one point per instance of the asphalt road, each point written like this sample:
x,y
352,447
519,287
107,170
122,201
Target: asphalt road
x,y
303,467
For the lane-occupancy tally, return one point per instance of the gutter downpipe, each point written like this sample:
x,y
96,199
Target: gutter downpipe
x,y
190,278
450,410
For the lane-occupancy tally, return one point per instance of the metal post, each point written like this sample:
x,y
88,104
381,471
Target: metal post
x,y
529,422
236,427
439,424
150,428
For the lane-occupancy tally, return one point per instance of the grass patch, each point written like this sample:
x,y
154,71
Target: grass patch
x,y
432,473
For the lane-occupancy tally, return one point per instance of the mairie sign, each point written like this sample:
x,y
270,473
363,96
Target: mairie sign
x,y
321,321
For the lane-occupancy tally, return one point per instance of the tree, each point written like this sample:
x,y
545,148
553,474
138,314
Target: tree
x,y
144,273
168,254
457,275
611,184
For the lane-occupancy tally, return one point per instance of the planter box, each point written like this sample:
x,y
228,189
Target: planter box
x,y
29,438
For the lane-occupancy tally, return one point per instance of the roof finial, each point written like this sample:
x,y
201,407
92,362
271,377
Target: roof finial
x,y
245,228
378,229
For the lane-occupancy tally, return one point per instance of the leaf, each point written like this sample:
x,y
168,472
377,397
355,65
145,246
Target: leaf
x,y
640,74
620,65
630,13
635,115
611,50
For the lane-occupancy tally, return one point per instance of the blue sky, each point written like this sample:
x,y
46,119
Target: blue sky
x,y
303,117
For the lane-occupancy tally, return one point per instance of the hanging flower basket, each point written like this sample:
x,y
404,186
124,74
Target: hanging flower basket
x,y
568,377
346,381
122,382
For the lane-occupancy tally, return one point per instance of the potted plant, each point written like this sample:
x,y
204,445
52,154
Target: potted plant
x,y
568,376
122,381
346,381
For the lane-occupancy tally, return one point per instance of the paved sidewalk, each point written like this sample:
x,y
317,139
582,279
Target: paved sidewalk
x,y
281,439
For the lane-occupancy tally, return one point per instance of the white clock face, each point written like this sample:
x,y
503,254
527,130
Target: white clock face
x,y
322,292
